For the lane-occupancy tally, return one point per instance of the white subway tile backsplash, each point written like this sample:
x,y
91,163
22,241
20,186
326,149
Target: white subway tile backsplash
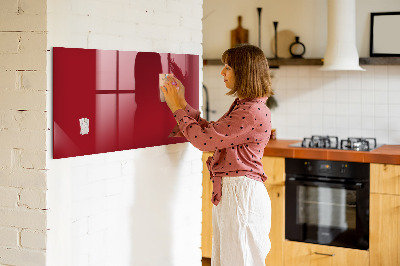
x,y
355,96
342,81
342,96
394,124
394,110
367,96
305,95
367,110
328,74
315,72
367,133
316,82
369,70
342,109
304,72
293,120
352,102
381,110
381,97
355,132
304,108
381,84
381,123
292,83
380,71
394,97
291,71
394,137
317,120
354,80
393,71
329,109
355,122
317,95
342,122
381,136
329,123
303,82
329,93
368,123
394,83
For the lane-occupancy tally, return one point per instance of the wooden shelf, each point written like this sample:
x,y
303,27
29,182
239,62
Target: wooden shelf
x,y
273,63
295,62
380,61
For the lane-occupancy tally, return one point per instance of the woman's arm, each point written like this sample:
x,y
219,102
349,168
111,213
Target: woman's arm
x,y
195,114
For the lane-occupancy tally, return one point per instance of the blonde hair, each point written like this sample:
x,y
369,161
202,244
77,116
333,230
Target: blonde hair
x,y
250,66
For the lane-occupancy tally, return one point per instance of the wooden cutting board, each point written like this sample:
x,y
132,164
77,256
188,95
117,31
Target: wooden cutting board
x,y
239,35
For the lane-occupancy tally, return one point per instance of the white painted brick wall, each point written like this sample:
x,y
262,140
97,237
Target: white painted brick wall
x,y
34,239
8,197
23,178
23,218
106,198
9,237
23,125
135,207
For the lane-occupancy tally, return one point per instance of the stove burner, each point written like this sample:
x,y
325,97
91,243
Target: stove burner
x,y
328,142
332,142
358,144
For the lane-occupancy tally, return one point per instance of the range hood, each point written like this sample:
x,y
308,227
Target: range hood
x,y
341,51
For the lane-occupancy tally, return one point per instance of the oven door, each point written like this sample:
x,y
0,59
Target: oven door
x,y
327,213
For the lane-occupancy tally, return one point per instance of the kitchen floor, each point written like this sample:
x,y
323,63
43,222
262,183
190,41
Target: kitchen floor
x,y
206,261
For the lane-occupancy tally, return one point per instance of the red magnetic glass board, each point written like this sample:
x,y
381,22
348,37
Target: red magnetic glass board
x,y
107,100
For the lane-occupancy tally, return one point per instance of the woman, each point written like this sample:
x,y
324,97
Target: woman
x,y
242,208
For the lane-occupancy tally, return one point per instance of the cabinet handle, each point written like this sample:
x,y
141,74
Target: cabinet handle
x,y
325,254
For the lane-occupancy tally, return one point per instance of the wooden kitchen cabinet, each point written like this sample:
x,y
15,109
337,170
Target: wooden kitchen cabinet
x,y
206,225
277,233
274,168
305,254
385,178
385,215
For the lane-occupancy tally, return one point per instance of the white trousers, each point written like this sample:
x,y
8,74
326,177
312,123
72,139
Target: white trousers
x,y
241,223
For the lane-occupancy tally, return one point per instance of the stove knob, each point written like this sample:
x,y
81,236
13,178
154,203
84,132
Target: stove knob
x,y
343,168
308,166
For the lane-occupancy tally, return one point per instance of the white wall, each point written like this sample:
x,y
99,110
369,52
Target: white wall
x,y
311,102
305,18
135,207
23,132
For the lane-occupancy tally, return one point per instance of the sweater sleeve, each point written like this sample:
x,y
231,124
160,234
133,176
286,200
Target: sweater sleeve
x,y
231,130
195,114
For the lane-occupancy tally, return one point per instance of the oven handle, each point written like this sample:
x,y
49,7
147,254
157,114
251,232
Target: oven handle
x,y
325,254
357,185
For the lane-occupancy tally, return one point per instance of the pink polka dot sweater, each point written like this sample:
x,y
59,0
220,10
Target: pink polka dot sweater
x,y
238,139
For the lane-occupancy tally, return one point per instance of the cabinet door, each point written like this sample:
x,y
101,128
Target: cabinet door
x,y
384,229
385,178
305,254
274,168
206,232
277,233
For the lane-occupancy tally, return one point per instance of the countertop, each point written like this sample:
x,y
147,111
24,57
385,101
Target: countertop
x,y
389,154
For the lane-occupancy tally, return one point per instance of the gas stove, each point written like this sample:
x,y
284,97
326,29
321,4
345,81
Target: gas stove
x,y
332,142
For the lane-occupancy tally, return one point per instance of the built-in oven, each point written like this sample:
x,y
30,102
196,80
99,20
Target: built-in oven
x,y
327,202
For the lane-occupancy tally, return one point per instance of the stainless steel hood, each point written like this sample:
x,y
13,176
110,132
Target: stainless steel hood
x,y
341,51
